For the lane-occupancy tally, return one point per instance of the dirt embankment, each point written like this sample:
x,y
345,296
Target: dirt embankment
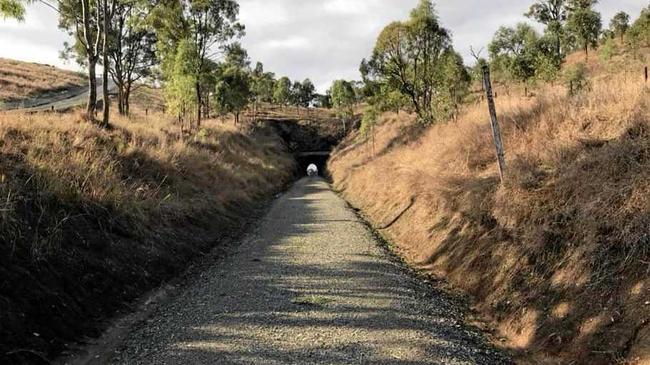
x,y
90,219
558,257
20,81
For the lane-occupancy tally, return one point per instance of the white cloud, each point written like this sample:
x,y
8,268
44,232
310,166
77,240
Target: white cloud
x,y
320,39
293,42
347,7
258,12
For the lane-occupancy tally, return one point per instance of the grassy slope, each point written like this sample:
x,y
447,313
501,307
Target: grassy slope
x,y
89,219
558,257
21,80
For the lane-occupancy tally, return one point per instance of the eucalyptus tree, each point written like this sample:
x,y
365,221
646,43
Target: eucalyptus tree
x,y
639,32
132,49
262,84
408,55
553,14
307,90
282,91
512,52
343,98
584,23
619,24
208,24
233,90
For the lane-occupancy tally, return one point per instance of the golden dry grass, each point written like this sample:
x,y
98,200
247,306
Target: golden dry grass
x,y
562,244
20,80
138,164
92,218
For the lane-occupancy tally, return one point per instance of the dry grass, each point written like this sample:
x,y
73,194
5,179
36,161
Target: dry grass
x,y
558,256
91,218
21,80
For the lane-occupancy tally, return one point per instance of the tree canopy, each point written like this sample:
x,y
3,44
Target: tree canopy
x,y
409,56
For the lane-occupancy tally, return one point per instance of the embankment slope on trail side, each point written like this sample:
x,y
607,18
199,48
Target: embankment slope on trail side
x,y
22,81
558,257
90,219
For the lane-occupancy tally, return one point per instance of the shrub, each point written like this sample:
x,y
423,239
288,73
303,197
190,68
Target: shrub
x,y
608,50
576,79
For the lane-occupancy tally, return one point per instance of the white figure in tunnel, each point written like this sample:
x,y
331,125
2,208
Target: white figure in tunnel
x,y
312,170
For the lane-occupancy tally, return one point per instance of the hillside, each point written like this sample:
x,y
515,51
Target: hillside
x,y
92,218
555,258
24,80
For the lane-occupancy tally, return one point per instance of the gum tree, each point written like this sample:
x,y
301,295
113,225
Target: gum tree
x,y
584,23
408,55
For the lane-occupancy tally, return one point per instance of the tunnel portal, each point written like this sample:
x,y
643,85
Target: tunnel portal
x,y
309,141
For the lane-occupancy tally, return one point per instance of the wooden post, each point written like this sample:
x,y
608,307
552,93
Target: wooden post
x,y
496,131
646,75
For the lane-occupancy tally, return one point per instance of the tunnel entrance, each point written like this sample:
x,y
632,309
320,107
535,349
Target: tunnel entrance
x,y
318,158
310,141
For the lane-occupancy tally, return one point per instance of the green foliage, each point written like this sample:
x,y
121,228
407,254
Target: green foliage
x,y
232,93
608,49
181,80
262,84
208,24
369,118
343,98
553,14
324,101
282,91
619,24
584,24
236,56
409,56
13,9
639,33
514,52
295,93
456,81
576,79
306,93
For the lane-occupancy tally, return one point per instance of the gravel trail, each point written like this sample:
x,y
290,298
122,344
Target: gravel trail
x,y
309,285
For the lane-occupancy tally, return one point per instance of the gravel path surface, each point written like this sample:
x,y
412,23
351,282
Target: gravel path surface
x,y
309,285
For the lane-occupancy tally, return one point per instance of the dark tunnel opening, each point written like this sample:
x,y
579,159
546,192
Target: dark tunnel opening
x,y
303,160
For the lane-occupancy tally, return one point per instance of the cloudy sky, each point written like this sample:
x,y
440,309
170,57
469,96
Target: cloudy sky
x,y
320,39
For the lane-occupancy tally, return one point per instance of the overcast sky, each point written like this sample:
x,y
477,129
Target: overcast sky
x,y
320,39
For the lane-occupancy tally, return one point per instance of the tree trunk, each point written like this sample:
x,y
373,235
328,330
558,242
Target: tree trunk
x,y
107,101
586,52
92,61
199,105
92,88
127,96
120,98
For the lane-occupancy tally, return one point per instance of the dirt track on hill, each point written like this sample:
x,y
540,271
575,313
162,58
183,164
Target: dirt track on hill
x,y
309,285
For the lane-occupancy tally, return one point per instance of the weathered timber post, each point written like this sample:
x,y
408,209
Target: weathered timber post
x,y
646,75
496,131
